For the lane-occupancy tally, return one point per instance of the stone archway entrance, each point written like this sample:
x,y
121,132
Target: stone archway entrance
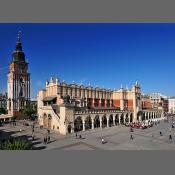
x,y
131,118
127,119
110,120
97,122
88,123
104,121
69,129
78,124
122,119
117,119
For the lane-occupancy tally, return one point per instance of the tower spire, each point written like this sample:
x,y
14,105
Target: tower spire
x,y
19,36
18,43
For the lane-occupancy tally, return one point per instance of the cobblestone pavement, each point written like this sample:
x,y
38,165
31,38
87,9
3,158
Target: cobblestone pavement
x,y
117,137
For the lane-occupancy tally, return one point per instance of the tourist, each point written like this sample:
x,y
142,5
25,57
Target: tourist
x,y
103,140
33,137
44,140
160,133
170,137
48,139
131,137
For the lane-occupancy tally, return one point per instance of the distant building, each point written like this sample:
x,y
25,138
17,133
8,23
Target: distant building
x,y
159,100
172,105
3,101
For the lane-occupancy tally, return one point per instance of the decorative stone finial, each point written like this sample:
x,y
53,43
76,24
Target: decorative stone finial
x,y
51,79
19,37
57,80
47,82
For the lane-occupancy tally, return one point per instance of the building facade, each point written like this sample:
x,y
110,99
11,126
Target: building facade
x,y
18,81
70,107
159,100
172,105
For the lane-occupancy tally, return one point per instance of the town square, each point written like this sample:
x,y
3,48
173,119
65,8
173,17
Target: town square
x,y
40,110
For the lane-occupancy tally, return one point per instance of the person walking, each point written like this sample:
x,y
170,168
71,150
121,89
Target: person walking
x,y
103,140
48,139
160,133
170,137
33,137
76,135
131,137
44,140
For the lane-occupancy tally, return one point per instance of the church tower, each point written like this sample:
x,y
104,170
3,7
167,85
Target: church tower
x,y
18,81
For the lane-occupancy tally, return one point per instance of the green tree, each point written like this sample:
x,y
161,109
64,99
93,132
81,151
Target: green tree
x,y
15,144
29,110
2,111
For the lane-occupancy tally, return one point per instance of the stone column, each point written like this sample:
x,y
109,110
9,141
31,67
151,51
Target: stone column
x,y
113,120
84,125
100,122
119,118
129,119
124,118
140,118
107,117
92,120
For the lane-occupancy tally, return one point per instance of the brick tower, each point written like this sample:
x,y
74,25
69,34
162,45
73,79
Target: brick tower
x,y
18,81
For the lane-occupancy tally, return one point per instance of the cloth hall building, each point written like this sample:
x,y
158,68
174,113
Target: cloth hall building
x,y
68,108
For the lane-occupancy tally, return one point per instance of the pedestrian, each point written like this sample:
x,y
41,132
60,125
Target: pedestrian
x,y
48,139
33,137
103,140
170,137
160,133
80,136
131,137
44,140
76,135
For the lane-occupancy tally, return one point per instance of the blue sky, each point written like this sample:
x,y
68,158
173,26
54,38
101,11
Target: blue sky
x,y
100,54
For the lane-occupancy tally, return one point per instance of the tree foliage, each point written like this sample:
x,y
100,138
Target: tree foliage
x,y
2,111
15,144
29,110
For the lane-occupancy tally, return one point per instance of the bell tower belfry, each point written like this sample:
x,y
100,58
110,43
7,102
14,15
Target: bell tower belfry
x,y
18,81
